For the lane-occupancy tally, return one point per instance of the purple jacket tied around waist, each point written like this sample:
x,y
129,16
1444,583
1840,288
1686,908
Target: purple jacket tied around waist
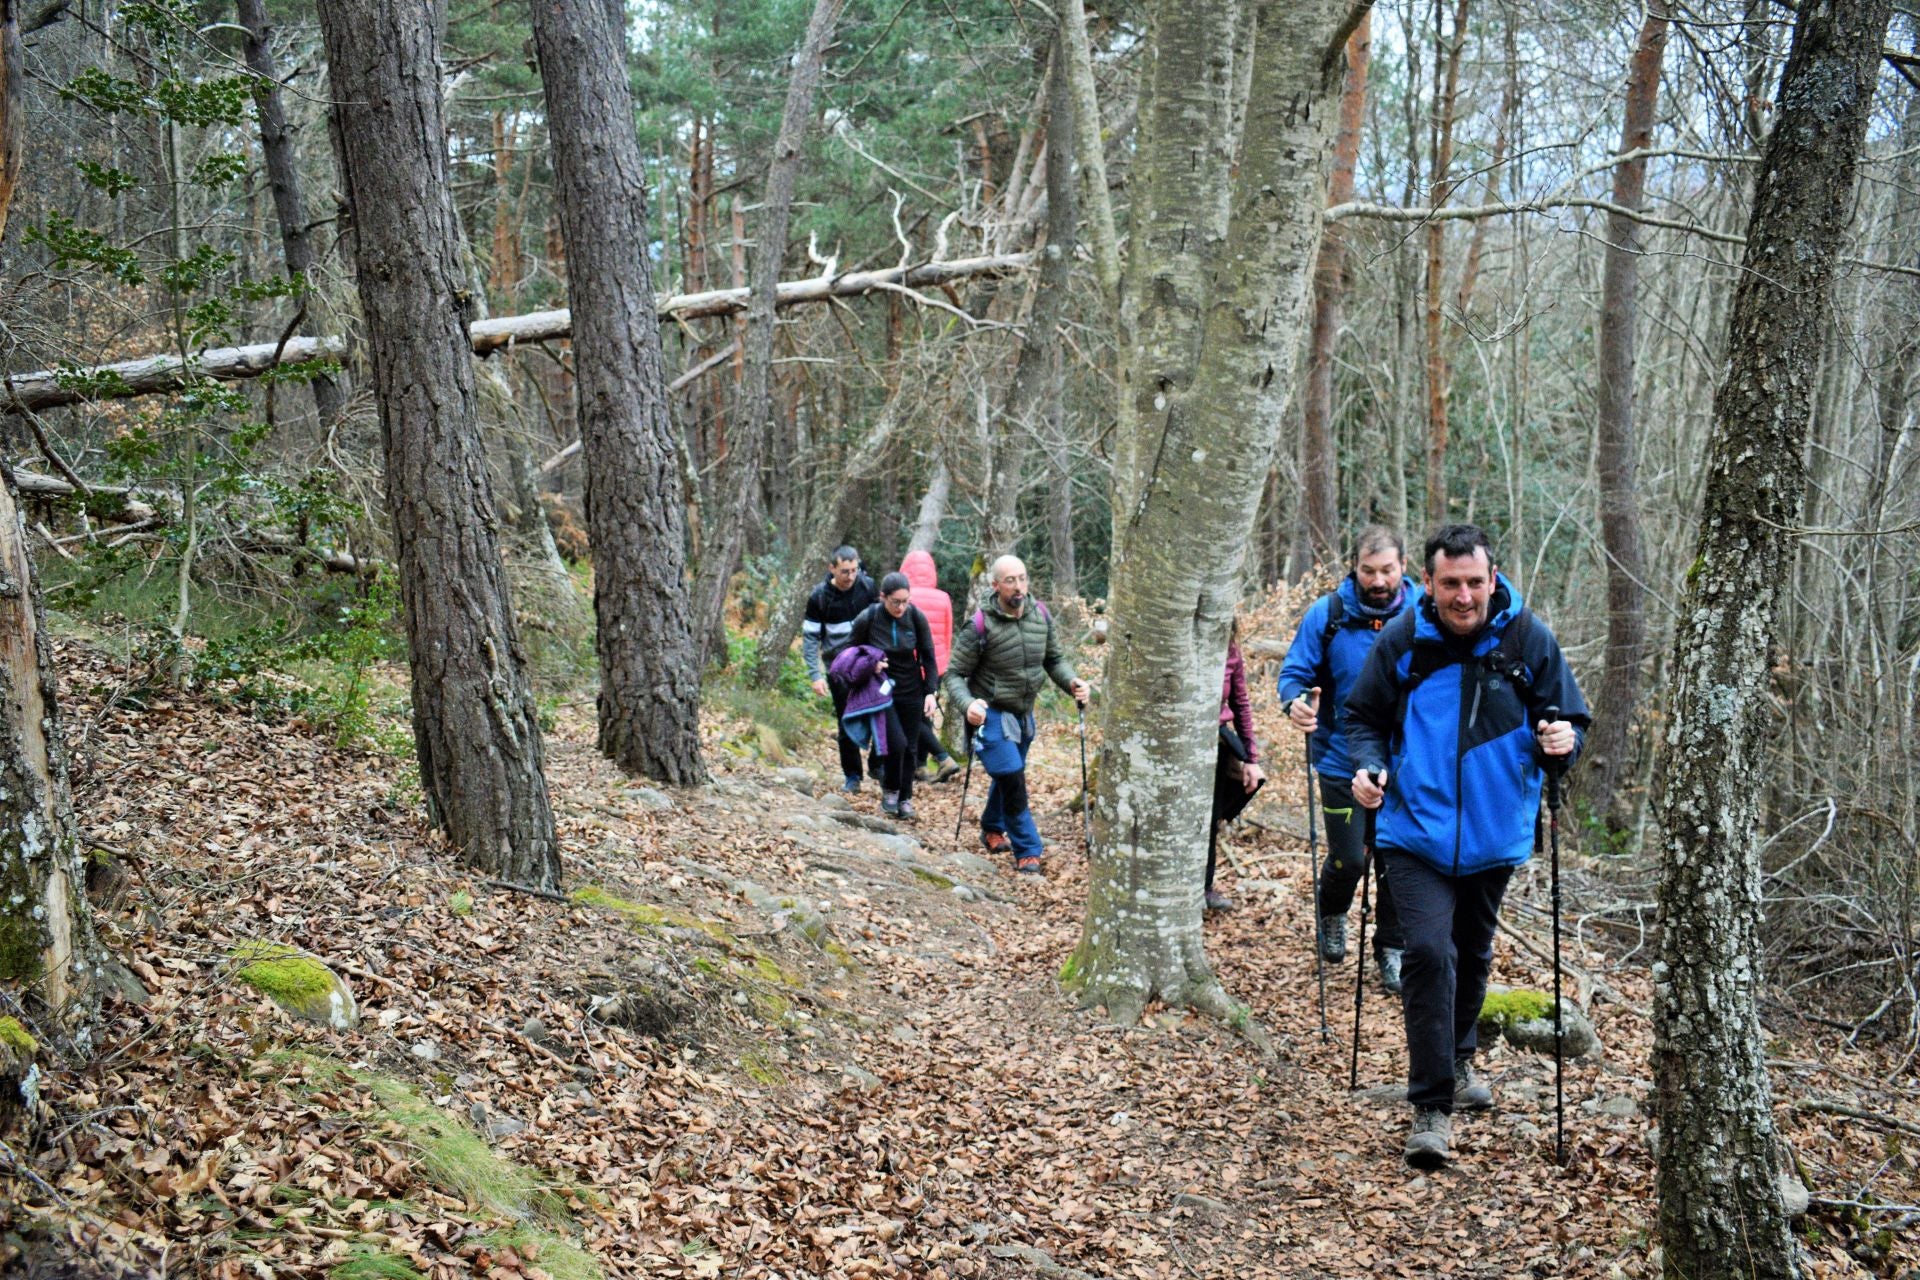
x,y
869,694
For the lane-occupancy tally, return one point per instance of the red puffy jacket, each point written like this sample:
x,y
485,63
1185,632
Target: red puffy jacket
x,y
932,601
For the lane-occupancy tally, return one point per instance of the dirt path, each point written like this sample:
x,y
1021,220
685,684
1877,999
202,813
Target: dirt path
x,y
770,1036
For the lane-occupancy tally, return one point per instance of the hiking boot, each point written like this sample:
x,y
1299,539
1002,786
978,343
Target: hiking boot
x,y
890,803
1027,866
1390,961
925,773
949,768
905,812
1470,1092
996,841
850,786
1427,1141
1217,901
1333,938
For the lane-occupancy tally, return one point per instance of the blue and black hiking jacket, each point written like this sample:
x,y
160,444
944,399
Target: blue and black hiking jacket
x,y
1452,721
1333,664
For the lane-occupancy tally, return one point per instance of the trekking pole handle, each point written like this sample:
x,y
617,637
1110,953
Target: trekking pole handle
x,y
1555,765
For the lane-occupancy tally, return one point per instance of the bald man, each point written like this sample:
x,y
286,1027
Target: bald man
x,y
1001,656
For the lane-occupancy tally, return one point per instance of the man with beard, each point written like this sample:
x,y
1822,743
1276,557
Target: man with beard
x,y
1001,658
1326,657
1463,706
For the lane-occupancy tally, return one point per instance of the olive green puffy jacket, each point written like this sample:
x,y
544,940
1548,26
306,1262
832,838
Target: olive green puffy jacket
x,y
1008,667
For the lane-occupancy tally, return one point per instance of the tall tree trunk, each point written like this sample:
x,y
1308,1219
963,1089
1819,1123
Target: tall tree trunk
x,y
1060,557
1320,503
1036,374
1446,74
474,722
649,704
1720,1206
827,531
1609,753
1211,329
727,525
1090,148
283,177
933,507
49,952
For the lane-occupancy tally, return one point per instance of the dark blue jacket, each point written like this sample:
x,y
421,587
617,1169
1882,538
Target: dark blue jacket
x,y
1464,767
1359,627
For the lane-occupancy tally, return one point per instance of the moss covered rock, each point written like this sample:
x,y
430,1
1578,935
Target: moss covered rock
x,y
299,983
1524,1018
17,1047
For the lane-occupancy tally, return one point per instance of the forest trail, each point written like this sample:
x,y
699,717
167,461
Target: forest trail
x,y
708,1091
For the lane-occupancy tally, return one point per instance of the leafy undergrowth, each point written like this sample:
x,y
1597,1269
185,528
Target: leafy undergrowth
x,y
658,1077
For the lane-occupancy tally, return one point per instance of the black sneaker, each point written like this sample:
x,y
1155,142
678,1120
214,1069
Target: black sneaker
x,y
1470,1092
1218,901
1333,938
1427,1140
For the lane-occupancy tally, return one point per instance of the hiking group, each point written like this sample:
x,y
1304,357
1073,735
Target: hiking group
x,y
1433,714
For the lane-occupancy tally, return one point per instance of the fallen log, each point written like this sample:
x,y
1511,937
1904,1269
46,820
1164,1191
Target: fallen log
x,y
149,375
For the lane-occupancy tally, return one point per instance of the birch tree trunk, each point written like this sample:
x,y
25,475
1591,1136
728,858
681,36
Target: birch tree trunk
x,y
649,703
474,722
1609,749
1721,1213
1210,331
727,526
283,179
1320,503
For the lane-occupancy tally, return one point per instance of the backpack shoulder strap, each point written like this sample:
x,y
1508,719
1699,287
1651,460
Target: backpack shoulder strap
x,y
1509,656
1336,615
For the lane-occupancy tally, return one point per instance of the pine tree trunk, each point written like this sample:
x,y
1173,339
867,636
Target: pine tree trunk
x,y
283,178
649,704
1721,1213
1212,326
1320,501
474,722
727,525
1439,376
1609,753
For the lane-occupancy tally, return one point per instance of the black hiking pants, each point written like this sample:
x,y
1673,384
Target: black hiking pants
x,y
1349,829
905,719
1230,796
1449,923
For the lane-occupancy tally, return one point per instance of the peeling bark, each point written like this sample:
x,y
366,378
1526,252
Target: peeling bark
x,y
1720,1208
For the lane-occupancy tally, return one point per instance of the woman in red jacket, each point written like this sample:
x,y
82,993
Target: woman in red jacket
x,y
1237,775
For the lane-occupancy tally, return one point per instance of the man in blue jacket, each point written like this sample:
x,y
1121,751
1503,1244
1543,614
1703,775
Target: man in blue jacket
x,y
1324,660
1447,726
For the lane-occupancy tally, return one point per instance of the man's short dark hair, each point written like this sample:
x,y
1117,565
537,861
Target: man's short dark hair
x,y
1457,541
843,553
1376,538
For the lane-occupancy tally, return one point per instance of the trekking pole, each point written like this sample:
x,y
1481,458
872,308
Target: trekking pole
x,y
1313,852
1559,1029
1086,801
1360,955
961,817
